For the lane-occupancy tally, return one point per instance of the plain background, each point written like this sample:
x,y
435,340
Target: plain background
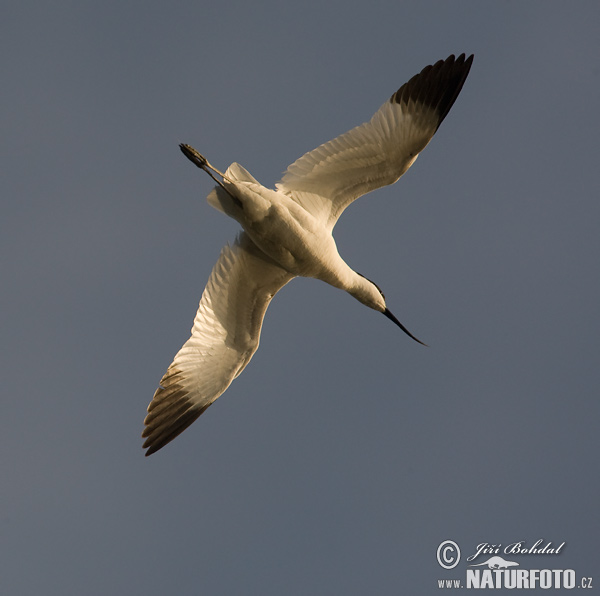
x,y
346,452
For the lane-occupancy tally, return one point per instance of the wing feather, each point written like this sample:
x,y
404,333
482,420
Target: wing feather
x,y
225,335
326,180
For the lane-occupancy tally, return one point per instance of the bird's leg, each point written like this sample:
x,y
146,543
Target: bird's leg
x,y
198,159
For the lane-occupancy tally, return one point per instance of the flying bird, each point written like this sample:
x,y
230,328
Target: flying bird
x,y
287,233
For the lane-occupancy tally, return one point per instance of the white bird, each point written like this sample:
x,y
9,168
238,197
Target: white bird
x,y
288,233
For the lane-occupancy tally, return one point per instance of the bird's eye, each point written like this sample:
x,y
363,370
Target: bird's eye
x,y
382,294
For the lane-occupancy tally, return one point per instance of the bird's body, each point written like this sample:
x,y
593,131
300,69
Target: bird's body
x,y
282,229
288,233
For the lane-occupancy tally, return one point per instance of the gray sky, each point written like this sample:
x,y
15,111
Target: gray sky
x,y
345,453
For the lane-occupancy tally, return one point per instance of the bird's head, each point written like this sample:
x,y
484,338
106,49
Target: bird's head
x,y
370,294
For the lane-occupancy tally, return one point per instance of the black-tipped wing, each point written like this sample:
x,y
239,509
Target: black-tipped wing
x,y
225,335
326,180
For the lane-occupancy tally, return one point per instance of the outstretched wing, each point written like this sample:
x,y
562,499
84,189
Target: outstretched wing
x,y
224,337
326,180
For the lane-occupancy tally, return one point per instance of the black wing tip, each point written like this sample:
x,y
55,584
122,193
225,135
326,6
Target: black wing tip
x,y
163,434
437,85
152,450
169,414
